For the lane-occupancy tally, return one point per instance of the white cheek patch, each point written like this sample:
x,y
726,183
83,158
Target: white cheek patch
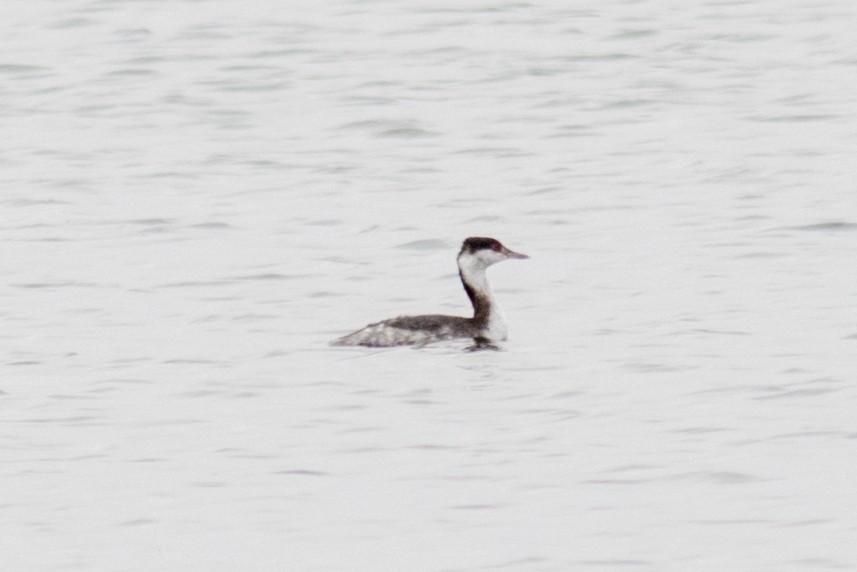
x,y
470,264
493,257
480,260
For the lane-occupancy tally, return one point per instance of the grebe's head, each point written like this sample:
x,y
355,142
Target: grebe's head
x,y
483,252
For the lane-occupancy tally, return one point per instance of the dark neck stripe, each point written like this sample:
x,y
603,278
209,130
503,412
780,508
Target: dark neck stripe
x,y
481,303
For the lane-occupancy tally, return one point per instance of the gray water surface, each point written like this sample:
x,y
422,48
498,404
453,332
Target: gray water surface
x,y
197,196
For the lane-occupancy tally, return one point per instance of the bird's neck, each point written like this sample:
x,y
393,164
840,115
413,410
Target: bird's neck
x,y
475,283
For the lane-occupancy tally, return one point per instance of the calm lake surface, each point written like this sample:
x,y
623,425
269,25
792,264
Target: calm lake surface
x,y
197,196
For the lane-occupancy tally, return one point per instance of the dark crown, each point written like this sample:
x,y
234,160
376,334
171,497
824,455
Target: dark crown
x,y
476,243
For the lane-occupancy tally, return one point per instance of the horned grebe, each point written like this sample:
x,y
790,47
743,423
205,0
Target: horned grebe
x,y
487,324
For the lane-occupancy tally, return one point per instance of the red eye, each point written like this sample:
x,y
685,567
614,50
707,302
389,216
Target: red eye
x,y
496,246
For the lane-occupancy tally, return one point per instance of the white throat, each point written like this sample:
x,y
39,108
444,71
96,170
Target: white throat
x,y
473,271
473,267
